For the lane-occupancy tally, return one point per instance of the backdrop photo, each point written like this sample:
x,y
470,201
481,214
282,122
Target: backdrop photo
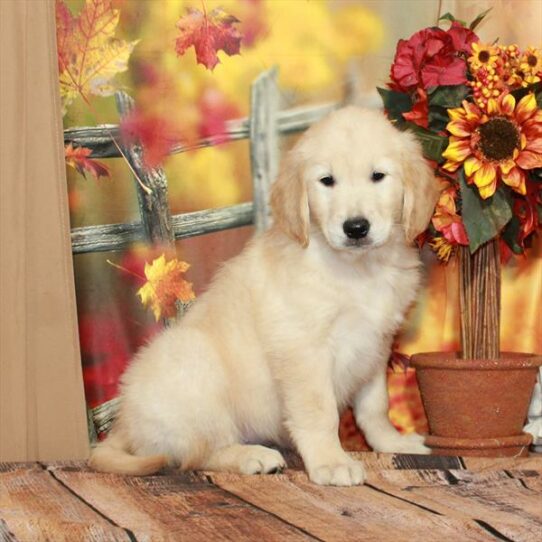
x,y
155,97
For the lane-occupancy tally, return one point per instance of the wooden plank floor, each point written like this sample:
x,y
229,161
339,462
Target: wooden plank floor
x,y
406,498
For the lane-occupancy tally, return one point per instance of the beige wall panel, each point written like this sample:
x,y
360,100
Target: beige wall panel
x,y
42,410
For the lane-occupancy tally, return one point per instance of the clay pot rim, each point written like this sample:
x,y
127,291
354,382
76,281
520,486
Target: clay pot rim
x,y
434,441
450,361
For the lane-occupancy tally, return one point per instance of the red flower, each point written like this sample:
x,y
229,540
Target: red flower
x,y
462,38
431,58
419,114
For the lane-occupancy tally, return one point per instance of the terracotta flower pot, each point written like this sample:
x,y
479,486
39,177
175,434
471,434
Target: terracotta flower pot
x,y
476,407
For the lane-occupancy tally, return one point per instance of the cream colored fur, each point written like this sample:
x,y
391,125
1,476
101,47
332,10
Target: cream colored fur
x,y
295,328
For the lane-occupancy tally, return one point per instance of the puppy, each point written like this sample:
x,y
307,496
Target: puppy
x,y
295,328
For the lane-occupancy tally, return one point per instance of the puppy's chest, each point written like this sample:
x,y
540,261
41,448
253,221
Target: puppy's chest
x,y
368,318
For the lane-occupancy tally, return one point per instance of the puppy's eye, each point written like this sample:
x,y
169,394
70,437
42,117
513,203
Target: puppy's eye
x,y
328,180
377,176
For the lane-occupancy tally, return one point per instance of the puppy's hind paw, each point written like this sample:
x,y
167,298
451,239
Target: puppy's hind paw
x,y
263,460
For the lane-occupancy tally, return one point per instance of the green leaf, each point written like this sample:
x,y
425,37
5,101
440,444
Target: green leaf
x,y
433,144
438,118
479,19
395,103
449,17
510,235
483,219
447,96
539,100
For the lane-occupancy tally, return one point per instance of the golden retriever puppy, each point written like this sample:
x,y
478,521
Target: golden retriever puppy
x,y
295,328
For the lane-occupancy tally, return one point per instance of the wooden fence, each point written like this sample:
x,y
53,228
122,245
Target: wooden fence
x,y
157,225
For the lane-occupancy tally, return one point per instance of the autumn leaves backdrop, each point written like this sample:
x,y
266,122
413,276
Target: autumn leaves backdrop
x,y
189,66
150,49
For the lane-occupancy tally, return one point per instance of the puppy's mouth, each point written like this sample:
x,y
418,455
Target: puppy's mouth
x,y
365,242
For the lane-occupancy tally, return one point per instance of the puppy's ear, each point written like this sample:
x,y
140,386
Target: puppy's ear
x,y
420,188
289,201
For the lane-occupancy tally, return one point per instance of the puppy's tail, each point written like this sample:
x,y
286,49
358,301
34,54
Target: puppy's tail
x,y
111,456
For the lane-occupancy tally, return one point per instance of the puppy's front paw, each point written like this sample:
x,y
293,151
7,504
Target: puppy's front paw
x,y
404,444
343,473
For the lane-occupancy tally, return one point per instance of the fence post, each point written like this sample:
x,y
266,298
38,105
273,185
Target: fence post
x,y
264,146
153,196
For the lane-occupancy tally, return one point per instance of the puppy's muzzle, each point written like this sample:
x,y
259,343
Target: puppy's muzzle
x,y
356,228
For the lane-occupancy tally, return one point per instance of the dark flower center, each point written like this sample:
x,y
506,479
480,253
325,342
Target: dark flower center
x,y
531,60
498,138
483,56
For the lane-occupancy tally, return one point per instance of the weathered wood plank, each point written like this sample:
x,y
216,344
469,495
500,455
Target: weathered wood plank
x,y
5,534
264,143
480,464
492,497
34,506
346,514
151,186
120,236
297,119
180,506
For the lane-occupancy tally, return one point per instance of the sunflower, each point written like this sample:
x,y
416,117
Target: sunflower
x,y
530,66
483,56
500,143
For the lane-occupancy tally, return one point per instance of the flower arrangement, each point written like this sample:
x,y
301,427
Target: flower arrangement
x,y
477,109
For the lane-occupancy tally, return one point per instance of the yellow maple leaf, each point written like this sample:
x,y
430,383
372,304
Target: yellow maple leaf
x,y
165,285
89,55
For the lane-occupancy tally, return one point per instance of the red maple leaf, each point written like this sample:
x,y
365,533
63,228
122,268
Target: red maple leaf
x,y
78,158
215,110
208,34
154,132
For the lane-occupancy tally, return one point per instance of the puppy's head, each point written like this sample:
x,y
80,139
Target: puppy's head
x,y
356,178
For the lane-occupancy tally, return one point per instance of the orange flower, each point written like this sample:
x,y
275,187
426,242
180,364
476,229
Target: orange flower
x,y
498,144
446,220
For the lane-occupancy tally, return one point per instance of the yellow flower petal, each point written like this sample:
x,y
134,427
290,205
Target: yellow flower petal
x,y
485,176
492,106
457,113
472,111
459,128
457,151
515,178
508,104
472,164
451,166
487,191
506,166
526,107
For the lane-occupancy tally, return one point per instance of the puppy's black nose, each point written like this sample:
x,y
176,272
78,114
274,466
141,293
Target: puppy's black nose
x,y
356,228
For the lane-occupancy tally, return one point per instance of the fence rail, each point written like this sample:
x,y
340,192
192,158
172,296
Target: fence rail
x,y
100,138
119,236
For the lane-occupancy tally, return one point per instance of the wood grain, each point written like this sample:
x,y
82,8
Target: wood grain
x,y
346,514
264,143
493,497
151,186
34,506
182,507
